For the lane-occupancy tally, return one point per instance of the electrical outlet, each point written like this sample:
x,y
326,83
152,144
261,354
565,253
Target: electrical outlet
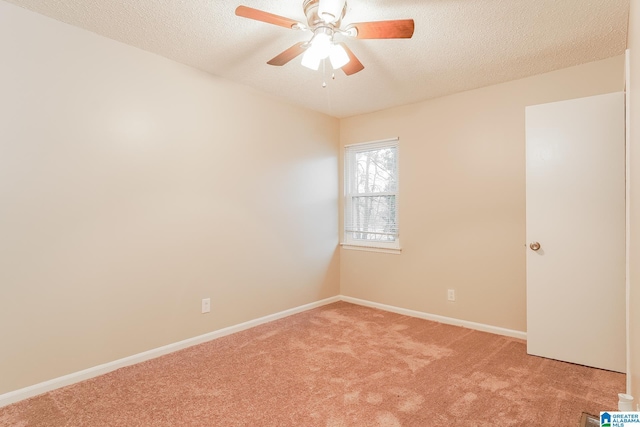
x,y
451,294
206,305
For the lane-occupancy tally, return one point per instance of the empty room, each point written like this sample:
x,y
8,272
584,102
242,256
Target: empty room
x,y
319,213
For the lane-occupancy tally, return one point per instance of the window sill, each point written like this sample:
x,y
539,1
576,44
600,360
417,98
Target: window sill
x,y
352,247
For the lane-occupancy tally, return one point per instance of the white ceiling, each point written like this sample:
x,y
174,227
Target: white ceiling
x,y
457,45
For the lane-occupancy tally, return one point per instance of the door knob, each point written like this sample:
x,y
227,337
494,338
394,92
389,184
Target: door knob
x,y
534,246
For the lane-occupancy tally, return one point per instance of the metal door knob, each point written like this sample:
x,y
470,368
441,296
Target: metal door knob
x,y
534,246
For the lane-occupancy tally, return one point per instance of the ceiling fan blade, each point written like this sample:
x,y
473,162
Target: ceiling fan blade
x,y
397,29
354,65
288,54
269,18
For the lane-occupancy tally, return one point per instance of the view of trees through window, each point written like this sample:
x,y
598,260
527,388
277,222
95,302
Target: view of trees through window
x,y
373,195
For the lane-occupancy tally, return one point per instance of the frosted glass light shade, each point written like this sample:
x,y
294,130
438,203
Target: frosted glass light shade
x,y
321,45
338,56
311,60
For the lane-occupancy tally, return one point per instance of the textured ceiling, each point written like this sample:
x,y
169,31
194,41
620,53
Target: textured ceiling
x,y
457,45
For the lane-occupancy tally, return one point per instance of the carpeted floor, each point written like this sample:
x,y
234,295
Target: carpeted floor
x,y
338,365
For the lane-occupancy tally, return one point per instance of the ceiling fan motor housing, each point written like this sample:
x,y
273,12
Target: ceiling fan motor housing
x,y
313,18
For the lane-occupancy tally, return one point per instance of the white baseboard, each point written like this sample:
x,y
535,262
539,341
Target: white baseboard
x,y
43,387
437,318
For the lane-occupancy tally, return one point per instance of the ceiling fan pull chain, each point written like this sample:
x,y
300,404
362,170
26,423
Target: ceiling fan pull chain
x,y
324,74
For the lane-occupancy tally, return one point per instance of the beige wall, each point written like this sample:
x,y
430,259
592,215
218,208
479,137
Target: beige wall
x,y
132,186
634,152
462,197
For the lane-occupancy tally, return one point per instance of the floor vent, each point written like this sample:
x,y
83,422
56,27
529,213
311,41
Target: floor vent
x,y
589,420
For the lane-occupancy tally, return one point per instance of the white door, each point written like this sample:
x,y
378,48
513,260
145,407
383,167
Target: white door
x,y
576,212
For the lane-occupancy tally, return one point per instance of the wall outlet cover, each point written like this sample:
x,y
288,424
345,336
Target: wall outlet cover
x,y
206,305
451,294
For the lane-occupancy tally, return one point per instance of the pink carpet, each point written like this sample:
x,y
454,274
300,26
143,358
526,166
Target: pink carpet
x,y
339,365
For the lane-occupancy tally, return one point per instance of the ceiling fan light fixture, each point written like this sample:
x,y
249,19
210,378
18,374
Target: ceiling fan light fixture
x,y
320,47
338,56
321,42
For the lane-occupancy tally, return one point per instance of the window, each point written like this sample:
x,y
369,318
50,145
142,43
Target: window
x,y
371,196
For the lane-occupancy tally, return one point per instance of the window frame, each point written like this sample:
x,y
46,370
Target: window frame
x,y
349,242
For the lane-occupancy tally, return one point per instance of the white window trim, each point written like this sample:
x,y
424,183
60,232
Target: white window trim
x,y
396,251
372,246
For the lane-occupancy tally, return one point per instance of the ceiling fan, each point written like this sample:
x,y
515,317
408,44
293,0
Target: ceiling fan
x,y
324,19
